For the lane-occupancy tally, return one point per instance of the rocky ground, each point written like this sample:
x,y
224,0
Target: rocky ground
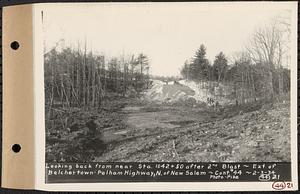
x,y
138,131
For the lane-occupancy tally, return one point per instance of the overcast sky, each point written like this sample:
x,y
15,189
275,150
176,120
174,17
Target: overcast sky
x,y
167,33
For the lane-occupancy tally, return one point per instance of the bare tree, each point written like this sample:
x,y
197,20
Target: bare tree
x,y
267,46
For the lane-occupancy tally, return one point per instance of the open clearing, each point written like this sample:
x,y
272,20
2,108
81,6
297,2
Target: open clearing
x,y
169,133
165,133
137,130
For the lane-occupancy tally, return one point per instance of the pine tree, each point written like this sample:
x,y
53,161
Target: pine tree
x,y
220,67
199,68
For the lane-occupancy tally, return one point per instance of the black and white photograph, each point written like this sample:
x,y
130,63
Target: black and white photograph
x,y
177,82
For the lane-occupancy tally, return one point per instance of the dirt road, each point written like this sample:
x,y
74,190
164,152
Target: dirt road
x,y
178,133
136,131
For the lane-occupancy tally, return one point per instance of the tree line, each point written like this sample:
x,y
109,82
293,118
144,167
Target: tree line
x,y
259,72
78,78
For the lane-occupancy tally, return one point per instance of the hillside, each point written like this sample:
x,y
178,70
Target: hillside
x,y
189,91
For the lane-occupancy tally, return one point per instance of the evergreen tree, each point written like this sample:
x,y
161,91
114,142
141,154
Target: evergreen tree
x,y
199,68
220,67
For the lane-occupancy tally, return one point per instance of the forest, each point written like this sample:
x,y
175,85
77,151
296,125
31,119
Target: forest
x,y
80,79
260,72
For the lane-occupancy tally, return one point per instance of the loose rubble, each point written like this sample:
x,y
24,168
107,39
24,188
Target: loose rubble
x,y
134,130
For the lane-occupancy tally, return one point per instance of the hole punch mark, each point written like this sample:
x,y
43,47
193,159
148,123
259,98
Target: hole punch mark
x,y
16,148
15,45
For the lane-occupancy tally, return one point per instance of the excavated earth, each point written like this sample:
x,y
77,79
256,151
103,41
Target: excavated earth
x,y
168,133
139,131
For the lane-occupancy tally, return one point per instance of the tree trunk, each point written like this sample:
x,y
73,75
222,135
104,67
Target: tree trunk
x,y
84,77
